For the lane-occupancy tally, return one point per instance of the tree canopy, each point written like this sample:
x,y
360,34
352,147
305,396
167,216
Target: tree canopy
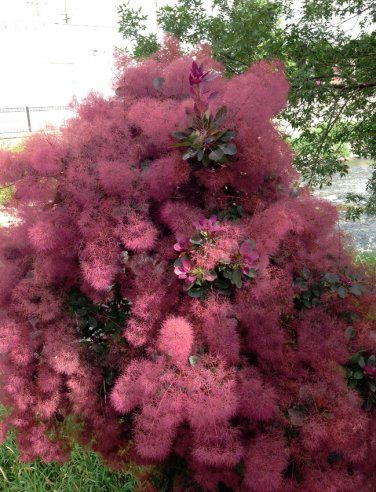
x,y
329,49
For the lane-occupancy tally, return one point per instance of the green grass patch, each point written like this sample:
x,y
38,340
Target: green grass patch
x,y
366,258
84,472
6,193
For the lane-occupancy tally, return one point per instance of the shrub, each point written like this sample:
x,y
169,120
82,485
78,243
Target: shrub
x,y
190,308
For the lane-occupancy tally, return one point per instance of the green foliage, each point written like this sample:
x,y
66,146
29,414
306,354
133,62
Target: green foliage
x,y
239,32
233,211
312,286
99,324
132,26
207,145
227,274
361,373
146,46
328,161
225,277
330,67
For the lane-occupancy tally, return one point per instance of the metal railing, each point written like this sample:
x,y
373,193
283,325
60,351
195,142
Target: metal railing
x,y
26,119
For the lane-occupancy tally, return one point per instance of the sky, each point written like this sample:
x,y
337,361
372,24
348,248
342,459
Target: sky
x,y
51,50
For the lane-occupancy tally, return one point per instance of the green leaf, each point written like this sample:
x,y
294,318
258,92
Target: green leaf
x,y
216,155
294,193
98,348
342,292
81,301
225,261
189,286
334,457
331,277
316,290
350,332
372,386
220,115
372,360
236,278
194,360
368,405
146,164
158,83
179,135
240,210
197,240
182,144
200,155
189,154
301,284
196,292
109,327
229,149
251,274
227,136
358,359
355,358
349,316
221,284
207,116
358,375
306,303
356,290
178,262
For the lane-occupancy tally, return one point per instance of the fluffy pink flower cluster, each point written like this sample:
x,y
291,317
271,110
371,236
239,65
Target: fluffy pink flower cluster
x,y
243,387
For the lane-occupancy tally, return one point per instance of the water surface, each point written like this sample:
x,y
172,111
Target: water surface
x,y
364,230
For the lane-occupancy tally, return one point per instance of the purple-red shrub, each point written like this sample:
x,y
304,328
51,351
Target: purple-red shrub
x,y
167,288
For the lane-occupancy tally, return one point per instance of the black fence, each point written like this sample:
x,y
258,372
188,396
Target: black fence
x,y
27,119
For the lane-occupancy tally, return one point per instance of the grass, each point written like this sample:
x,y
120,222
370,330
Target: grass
x,y
6,193
83,473
367,258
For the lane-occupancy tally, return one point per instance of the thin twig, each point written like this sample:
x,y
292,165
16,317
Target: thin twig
x,y
329,126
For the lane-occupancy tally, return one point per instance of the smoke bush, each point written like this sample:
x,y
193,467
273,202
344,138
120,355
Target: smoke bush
x,y
171,289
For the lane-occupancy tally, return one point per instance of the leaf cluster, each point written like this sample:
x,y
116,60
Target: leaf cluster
x,y
358,379
99,324
312,287
226,275
207,144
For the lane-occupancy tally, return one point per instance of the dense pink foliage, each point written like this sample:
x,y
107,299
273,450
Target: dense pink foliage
x,y
248,390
